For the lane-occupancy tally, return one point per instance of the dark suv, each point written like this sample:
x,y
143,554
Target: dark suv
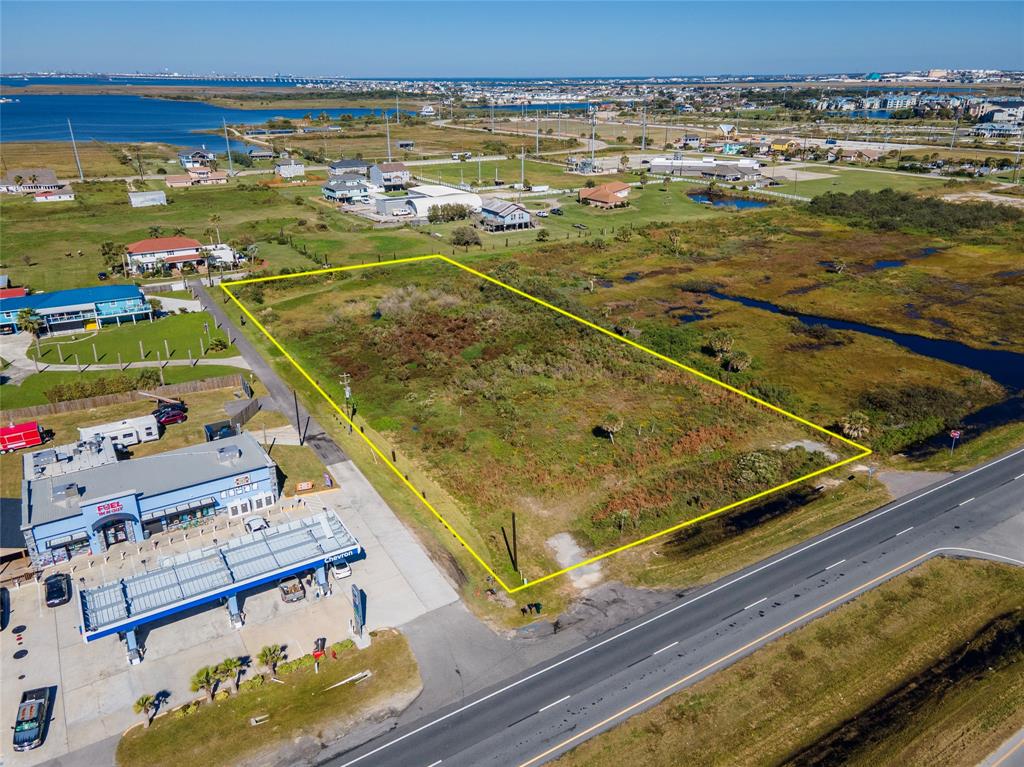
x,y
58,590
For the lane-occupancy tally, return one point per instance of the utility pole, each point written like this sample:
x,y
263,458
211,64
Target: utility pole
x,y
492,117
74,147
643,134
536,150
398,114
387,133
227,145
522,170
593,138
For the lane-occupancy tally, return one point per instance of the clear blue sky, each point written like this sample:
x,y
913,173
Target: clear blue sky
x,y
509,37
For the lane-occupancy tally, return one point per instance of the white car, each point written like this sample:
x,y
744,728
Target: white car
x,y
542,214
255,524
340,570
401,212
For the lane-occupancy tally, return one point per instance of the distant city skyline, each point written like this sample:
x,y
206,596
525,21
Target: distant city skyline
x,y
425,39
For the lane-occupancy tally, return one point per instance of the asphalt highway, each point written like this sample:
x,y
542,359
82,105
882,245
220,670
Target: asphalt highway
x,y
545,711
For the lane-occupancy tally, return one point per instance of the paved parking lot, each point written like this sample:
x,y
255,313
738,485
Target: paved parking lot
x,y
96,687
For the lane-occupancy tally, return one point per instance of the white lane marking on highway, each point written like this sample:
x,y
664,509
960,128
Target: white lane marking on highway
x,y
666,647
835,564
549,705
755,604
1019,476
964,503
643,624
434,764
904,531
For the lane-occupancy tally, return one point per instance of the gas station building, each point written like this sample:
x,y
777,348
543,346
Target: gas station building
x,y
80,499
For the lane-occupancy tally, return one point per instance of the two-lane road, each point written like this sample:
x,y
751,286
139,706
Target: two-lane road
x,y
544,711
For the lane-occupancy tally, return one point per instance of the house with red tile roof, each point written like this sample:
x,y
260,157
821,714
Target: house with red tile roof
x,y
614,194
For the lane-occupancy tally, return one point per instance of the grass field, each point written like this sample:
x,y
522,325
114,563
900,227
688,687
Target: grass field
x,y
789,695
97,158
182,333
509,407
219,734
370,142
478,173
845,179
32,391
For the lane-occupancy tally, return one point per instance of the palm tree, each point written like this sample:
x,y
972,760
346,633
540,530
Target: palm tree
x,y
229,669
737,361
205,679
179,231
30,322
154,231
215,220
855,425
145,705
270,656
720,343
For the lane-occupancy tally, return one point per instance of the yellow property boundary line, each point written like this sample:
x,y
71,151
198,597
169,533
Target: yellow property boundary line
x,y
510,589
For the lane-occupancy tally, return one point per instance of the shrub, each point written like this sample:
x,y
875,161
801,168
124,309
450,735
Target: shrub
x,y
464,236
218,345
449,212
543,235
251,684
888,210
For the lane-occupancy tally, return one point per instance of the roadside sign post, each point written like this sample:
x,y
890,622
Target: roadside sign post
x,y
955,434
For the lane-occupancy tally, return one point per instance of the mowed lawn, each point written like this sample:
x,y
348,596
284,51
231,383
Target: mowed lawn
x,y
32,391
170,337
852,180
793,692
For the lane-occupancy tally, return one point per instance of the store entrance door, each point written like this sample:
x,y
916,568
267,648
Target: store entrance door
x,y
114,533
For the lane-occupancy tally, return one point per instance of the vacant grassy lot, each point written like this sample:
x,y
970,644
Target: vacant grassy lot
x,y
846,179
182,332
431,142
798,689
479,173
98,158
512,408
219,733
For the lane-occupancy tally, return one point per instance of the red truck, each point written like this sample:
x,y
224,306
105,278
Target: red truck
x,y
20,435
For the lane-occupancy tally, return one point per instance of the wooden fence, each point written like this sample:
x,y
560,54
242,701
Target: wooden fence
x,y
121,398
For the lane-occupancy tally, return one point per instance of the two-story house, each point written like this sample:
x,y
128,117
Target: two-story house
x,y
390,176
501,215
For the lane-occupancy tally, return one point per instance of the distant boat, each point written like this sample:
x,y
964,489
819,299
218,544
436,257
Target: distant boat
x,y
427,111
9,101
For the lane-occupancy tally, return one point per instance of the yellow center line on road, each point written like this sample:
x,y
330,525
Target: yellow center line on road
x,y
739,651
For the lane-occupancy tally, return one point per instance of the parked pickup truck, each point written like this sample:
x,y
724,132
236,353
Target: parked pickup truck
x,y
292,590
31,721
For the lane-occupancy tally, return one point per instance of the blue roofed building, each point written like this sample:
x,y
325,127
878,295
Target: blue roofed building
x,y
78,309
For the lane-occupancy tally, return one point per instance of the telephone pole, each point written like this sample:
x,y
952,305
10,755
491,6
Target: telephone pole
x,y
536,150
387,133
74,146
227,145
398,114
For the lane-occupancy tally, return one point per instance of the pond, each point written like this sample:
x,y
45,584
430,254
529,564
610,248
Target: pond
x,y
727,202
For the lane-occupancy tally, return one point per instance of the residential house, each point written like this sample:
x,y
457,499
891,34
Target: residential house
x,y
200,176
727,130
260,153
146,199
346,187
154,252
21,180
614,194
196,158
343,166
77,309
62,194
783,145
290,168
501,215
390,176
